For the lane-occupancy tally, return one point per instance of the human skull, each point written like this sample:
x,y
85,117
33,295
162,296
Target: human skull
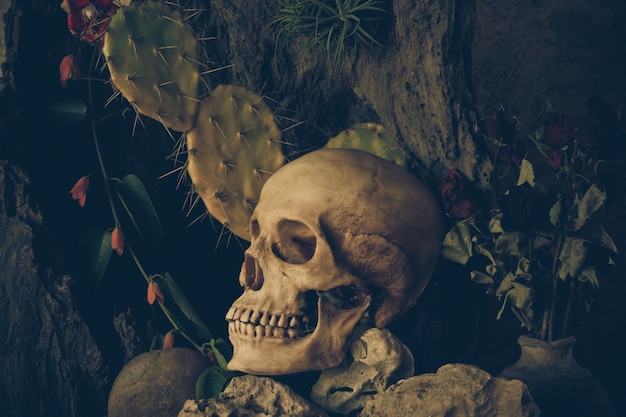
x,y
336,234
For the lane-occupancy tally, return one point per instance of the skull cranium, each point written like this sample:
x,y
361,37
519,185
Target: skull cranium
x,y
336,234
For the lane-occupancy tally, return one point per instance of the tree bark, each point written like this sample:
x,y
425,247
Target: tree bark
x,y
417,85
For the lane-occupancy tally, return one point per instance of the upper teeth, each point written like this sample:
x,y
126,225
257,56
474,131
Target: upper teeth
x,y
265,324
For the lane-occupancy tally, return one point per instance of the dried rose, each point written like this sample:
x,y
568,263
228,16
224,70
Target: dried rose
x,y
458,196
554,158
558,130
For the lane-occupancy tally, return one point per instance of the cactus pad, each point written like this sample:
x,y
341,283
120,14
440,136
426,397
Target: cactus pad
x,y
370,137
152,57
232,150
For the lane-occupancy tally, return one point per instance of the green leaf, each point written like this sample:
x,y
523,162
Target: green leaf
x,y
495,224
588,274
457,244
222,352
95,253
64,110
508,243
592,200
157,342
140,210
481,277
572,257
526,174
518,297
211,382
602,238
181,311
555,213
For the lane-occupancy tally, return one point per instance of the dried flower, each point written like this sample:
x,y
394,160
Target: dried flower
x,y
79,191
554,158
558,130
154,293
458,196
532,249
117,241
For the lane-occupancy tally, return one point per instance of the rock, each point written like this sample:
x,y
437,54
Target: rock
x,y
252,396
377,360
456,390
156,383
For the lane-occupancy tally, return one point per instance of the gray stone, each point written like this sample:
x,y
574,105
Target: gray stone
x,y
456,390
252,396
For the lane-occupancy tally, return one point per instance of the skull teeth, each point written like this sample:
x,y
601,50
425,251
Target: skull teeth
x,y
252,323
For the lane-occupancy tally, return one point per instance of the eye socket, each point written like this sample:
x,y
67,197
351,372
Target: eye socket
x,y
296,242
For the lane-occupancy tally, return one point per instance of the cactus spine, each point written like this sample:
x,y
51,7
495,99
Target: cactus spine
x,y
370,137
232,150
152,58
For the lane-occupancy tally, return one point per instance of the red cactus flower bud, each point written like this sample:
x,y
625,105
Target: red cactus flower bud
x,y
79,191
168,340
68,69
154,293
117,241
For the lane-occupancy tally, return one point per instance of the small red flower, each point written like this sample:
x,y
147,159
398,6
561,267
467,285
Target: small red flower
x,y
168,340
154,293
79,191
88,18
117,241
68,69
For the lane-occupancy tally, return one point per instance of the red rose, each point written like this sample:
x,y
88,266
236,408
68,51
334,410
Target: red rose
x,y
558,130
458,197
585,138
555,158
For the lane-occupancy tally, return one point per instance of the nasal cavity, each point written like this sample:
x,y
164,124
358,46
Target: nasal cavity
x,y
253,273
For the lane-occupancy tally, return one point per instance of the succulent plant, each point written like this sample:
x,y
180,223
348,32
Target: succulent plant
x,y
152,58
370,137
233,148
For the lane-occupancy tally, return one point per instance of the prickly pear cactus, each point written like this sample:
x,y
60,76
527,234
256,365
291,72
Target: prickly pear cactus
x,y
370,137
152,57
232,150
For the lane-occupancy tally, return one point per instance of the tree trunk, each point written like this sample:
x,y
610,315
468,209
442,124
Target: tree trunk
x,y
416,85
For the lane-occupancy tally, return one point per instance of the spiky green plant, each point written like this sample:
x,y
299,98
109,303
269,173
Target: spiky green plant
x,y
330,25
152,56
231,151
372,138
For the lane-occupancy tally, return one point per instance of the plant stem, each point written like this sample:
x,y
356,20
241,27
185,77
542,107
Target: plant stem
x,y
568,308
105,177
